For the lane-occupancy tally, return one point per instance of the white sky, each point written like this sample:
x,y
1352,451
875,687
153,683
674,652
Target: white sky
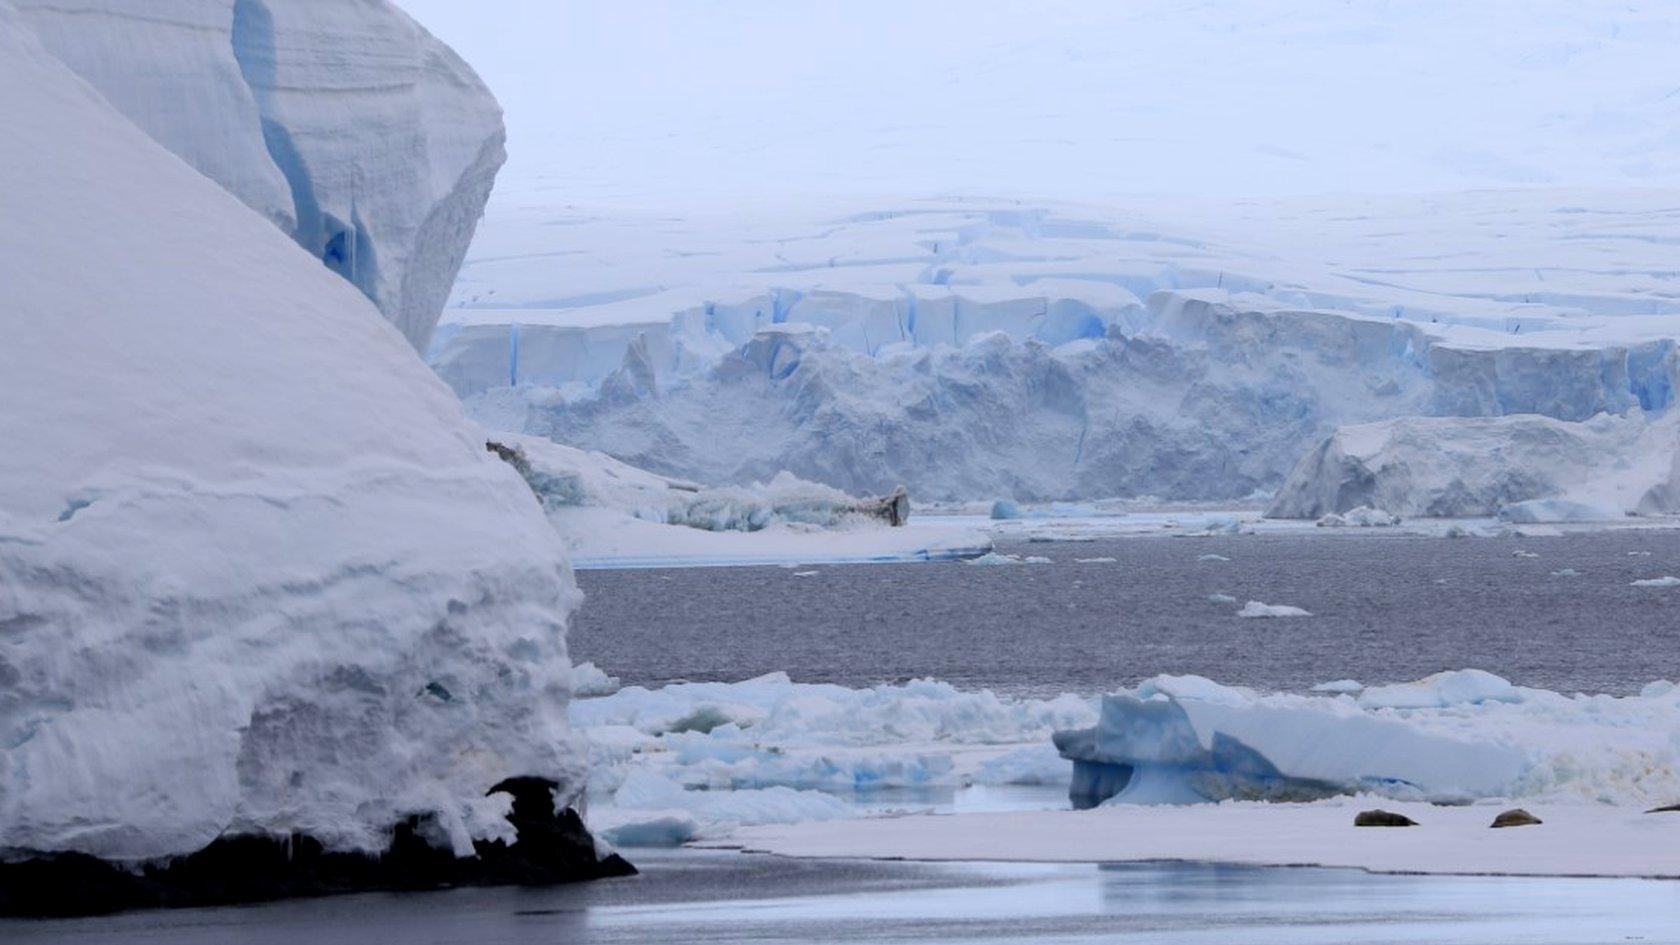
x,y
636,100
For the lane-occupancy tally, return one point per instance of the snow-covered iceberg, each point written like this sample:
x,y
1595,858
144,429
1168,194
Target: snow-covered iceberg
x,y
1523,469
345,123
1454,737
613,514
258,574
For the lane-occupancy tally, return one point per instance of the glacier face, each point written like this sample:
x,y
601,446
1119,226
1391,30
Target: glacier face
x,y
345,123
972,348
257,572
1186,397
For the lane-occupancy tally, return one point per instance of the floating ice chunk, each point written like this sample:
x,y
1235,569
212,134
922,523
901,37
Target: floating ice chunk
x,y
1566,572
1362,516
1667,580
998,557
1639,554
1096,560
1339,686
1535,511
1523,553
1212,557
1204,742
1005,510
1221,599
1457,531
1458,687
590,681
1255,608
638,828
806,573
1034,764
1658,689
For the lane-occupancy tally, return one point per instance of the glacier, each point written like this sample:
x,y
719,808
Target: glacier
x,y
346,124
977,348
258,575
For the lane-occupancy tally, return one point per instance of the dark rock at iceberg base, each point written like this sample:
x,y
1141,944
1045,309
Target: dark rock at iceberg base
x,y
551,848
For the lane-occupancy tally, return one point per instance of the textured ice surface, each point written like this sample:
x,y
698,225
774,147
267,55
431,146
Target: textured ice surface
x,y
1524,469
968,349
345,123
1458,735
768,749
612,514
257,572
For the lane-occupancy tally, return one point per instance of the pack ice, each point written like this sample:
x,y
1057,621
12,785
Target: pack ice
x,y
346,124
257,572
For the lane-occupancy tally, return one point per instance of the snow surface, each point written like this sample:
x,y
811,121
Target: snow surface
x,y
344,123
1571,841
257,571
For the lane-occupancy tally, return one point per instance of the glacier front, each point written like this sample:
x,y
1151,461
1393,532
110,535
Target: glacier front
x,y
346,124
258,575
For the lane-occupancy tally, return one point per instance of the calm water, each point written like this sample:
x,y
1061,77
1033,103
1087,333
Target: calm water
x,y
1385,608
726,897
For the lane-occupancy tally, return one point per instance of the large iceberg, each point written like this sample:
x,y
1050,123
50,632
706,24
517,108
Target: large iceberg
x,y
1523,468
1455,737
345,123
258,575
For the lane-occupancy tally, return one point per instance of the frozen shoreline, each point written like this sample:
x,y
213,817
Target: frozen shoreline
x,y
1576,841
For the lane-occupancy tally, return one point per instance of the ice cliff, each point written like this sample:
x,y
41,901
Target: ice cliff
x,y
1190,395
342,121
1524,468
258,574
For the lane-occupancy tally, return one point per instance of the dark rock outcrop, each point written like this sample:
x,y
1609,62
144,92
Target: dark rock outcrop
x,y
551,847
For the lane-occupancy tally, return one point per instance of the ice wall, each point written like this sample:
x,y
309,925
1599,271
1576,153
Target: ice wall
x,y
1189,396
1603,468
342,121
257,572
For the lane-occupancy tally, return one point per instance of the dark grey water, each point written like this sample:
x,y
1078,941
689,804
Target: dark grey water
x,y
726,897
1385,607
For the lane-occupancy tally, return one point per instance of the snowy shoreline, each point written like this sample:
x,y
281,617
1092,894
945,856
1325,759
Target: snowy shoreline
x,y
1572,842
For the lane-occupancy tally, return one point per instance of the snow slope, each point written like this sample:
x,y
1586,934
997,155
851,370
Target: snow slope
x,y
257,571
345,123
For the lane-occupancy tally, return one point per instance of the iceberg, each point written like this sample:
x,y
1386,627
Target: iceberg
x,y
1455,737
1524,469
346,124
260,583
